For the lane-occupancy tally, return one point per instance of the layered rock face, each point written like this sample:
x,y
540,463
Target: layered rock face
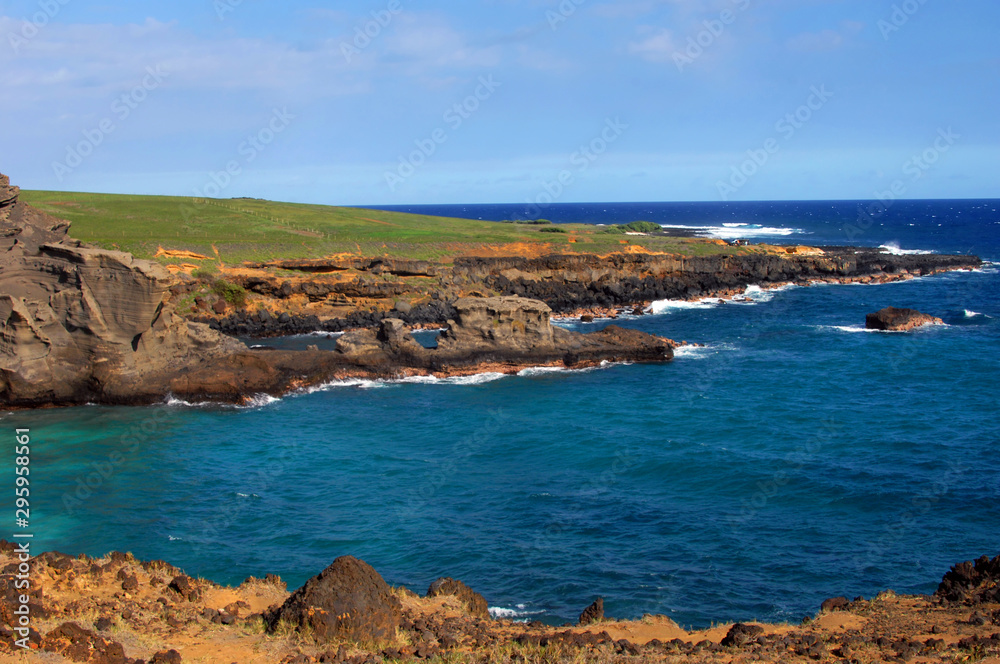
x,y
892,319
488,333
510,321
80,323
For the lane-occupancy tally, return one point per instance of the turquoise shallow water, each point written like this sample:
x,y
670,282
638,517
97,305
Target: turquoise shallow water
x,y
795,458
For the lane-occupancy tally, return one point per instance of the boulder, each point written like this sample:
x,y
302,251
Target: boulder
x,y
741,633
475,603
972,582
834,604
892,319
593,613
348,600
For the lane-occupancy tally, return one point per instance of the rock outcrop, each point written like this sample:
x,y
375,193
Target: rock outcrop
x,y
80,323
972,582
497,331
892,319
593,613
348,600
474,603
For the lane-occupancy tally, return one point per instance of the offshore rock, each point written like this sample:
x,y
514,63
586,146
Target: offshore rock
x,y
892,319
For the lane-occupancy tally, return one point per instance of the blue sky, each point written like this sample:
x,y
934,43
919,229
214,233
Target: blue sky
x,y
495,101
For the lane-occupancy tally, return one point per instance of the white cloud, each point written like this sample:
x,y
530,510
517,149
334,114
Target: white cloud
x,y
657,47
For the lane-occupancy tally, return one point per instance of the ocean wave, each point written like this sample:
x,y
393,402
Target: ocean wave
x,y
175,539
474,379
664,306
845,328
852,329
733,231
258,401
693,352
174,402
893,249
972,314
520,612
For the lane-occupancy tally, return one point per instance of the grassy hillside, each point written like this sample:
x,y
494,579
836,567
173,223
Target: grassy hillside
x,y
256,230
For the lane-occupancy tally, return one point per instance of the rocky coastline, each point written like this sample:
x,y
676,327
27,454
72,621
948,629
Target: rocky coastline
x,y
346,294
81,324
120,610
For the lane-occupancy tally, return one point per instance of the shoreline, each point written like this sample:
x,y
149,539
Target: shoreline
x,y
119,610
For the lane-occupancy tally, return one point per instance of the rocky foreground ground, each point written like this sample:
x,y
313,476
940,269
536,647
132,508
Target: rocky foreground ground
x,y
118,610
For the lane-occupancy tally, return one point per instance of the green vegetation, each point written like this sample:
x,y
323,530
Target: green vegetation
x,y
206,232
634,227
232,293
527,222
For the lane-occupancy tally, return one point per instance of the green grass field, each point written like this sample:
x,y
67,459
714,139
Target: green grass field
x,y
256,230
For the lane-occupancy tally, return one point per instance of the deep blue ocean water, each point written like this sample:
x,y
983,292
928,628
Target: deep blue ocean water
x,y
795,458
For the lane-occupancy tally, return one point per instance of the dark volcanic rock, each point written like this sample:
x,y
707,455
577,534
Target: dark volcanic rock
x,y
892,319
593,613
972,582
835,604
474,602
348,600
82,645
741,633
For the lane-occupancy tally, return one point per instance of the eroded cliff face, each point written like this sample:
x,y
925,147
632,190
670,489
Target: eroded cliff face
x,y
80,322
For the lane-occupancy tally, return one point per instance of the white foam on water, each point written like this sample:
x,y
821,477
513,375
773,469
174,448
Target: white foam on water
x,y
475,379
258,401
693,352
972,314
362,383
667,306
893,249
845,328
174,402
175,539
520,612
734,231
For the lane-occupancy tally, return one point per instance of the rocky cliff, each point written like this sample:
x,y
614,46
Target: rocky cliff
x,y
343,293
78,323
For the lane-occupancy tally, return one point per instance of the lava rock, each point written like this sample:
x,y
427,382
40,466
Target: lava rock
x,y
348,600
593,613
741,633
835,604
474,603
892,319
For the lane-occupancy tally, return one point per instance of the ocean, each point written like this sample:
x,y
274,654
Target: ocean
x,y
793,458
